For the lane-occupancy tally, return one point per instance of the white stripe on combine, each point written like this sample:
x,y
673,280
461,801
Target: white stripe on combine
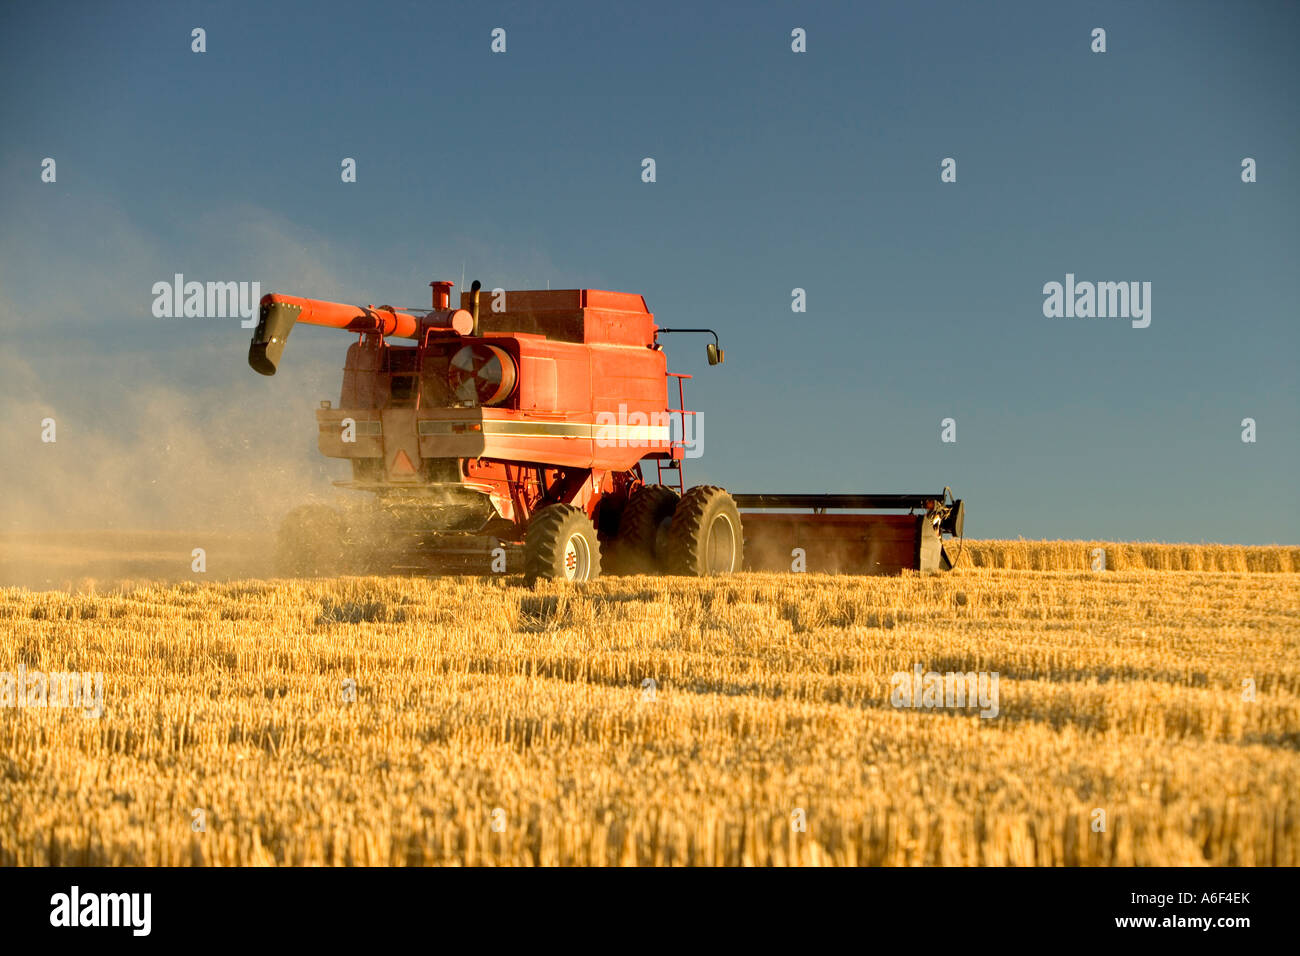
x,y
511,429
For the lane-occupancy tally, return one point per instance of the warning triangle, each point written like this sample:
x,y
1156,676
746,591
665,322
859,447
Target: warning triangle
x,y
402,463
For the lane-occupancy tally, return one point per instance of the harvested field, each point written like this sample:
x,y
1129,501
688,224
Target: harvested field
x,y
472,721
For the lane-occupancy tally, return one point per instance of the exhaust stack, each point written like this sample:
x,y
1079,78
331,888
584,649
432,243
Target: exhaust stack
x,y
441,294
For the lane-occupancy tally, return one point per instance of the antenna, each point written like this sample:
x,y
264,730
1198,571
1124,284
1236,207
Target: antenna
x,y
461,287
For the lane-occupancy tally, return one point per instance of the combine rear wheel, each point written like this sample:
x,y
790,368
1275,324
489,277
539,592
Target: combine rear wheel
x,y
705,536
561,544
310,542
646,517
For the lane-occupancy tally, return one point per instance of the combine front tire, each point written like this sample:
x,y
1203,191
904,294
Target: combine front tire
x,y
561,544
311,542
705,536
648,513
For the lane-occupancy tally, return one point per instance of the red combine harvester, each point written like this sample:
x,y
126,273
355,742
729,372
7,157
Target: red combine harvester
x,y
530,423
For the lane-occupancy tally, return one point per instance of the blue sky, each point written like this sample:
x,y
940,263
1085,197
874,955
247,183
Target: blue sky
x,y
775,170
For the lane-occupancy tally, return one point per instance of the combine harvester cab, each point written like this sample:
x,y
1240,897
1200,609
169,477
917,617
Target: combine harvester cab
x,y
511,435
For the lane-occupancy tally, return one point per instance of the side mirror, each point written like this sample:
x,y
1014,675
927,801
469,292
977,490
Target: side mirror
x,y
716,354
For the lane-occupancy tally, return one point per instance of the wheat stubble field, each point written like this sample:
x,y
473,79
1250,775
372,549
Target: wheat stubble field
x,y
497,725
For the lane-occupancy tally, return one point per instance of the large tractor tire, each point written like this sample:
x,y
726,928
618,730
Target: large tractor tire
x,y
638,546
311,542
561,545
706,536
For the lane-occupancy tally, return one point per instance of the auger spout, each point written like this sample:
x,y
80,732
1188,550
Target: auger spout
x,y
278,314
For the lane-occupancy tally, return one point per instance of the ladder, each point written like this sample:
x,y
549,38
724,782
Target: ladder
x,y
671,468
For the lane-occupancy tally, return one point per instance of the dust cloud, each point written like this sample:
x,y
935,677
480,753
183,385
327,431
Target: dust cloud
x,y
146,467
